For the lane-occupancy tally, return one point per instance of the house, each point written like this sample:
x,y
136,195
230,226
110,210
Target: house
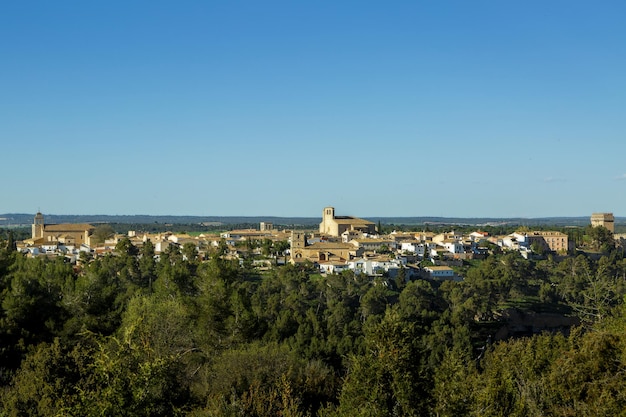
x,y
513,241
374,245
550,240
376,266
441,237
400,237
440,272
425,236
350,235
546,239
453,246
478,236
244,234
333,267
49,247
412,246
161,246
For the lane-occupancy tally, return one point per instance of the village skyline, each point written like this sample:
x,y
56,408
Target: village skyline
x,y
25,219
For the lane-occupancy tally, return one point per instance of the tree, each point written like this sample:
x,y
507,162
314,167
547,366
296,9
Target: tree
x,y
102,233
389,379
538,248
374,301
418,301
553,375
96,298
400,279
266,247
147,264
7,257
85,257
11,245
453,388
601,238
190,252
268,380
222,248
281,246
48,381
32,309
126,248
161,325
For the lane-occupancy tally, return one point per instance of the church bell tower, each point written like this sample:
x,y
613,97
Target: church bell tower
x,y
37,231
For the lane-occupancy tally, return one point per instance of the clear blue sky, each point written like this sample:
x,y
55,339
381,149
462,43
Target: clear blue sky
x,y
417,108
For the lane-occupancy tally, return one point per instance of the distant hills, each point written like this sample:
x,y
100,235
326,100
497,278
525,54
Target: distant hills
x,y
22,220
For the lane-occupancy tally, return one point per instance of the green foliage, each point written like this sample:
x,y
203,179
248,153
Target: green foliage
x,y
32,307
147,265
47,383
452,392
268,380
125,334
553,375
388,379
102,233
601,238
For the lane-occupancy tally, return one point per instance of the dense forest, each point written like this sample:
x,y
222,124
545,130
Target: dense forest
x,y
131,335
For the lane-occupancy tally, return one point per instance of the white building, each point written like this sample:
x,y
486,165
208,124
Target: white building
x,y
373,267
374,245
350,235
453,246
440,272
333,267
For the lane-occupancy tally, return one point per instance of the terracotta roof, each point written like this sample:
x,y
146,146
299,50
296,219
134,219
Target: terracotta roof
x,y
439,268
380,258
547,233
330,245
68,227
352,220
251,232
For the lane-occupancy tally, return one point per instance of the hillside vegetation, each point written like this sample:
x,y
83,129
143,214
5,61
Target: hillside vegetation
x,y
129,335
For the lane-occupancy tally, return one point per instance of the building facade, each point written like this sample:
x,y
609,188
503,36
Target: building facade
x,y
266,226
603,219
549,240
74,234
332,225
301,250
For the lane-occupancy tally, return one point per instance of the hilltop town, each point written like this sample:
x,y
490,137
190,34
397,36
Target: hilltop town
x,y
341,243
273,320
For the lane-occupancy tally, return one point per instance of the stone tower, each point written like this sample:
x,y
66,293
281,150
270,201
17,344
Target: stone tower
x,y
327,216
37,228
298,242
603,219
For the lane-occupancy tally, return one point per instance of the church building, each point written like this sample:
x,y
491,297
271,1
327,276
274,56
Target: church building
x,y
332,225
321,251
75,234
